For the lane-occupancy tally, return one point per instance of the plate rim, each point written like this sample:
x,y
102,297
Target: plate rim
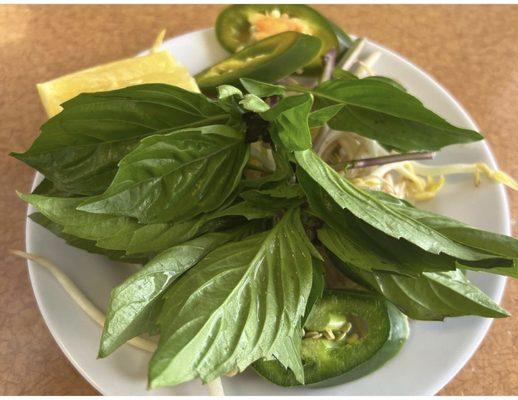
x,y
501,281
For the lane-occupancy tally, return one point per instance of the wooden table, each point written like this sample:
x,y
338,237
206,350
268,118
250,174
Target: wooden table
x,y
471,50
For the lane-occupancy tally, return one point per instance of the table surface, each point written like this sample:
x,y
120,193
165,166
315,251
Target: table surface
x,y
471,50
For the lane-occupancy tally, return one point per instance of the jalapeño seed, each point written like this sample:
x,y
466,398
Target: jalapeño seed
x,y
329,335
311,334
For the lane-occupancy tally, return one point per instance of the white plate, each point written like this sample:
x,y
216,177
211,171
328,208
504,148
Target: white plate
x,y
435,351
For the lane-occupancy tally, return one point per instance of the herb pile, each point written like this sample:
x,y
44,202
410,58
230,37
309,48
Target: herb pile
x,y
159,175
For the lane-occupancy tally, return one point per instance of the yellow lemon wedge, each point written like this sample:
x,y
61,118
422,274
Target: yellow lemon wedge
x,y
157,67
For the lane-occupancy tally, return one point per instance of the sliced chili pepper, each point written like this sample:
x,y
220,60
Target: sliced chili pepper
x,y
347,335
268,60
241,25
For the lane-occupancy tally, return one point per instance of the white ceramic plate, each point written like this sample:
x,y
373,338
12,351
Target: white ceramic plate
x,y
435,351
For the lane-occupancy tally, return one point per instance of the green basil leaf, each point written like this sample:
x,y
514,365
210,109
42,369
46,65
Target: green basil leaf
x,y
492,243
118,233
84,244
432,296
264,203
228,99
493,268
346,75
175,176
386,80
317,288
503,248
358,244
383,216
258,289
282,190
380,111
79,148
339,73
246,209
226,91
287,352
253,103
290,122
321,116
282,172
262,89
133,304
254,210
48,188
382,253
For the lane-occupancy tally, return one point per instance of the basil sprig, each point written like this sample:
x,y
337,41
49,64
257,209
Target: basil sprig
x,y
158,175
78,149
258,288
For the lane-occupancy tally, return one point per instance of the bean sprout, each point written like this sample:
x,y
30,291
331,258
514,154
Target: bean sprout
x,y
409,179
214,387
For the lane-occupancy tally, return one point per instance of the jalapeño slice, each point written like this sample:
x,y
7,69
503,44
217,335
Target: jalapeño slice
x,y
268,60
347,335
241,25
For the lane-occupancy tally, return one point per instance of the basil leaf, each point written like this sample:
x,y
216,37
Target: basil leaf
x,y
280,191
48,188
392,255
228,99
339,73
346,75
262,89
226,91
357,243
503,248
380,111
258,289
253,103
321,116
287,352
247,209
383,216
432,296
79,148
118,233
134,303
265,203
175,176
492,243
84,244
290,122
505,269
386,80
317,288
283,171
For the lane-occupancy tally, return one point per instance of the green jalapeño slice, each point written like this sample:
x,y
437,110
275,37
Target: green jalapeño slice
x,y
268,60
346,336
241,25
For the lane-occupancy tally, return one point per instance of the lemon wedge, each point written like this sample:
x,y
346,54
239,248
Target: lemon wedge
x,y
157,67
